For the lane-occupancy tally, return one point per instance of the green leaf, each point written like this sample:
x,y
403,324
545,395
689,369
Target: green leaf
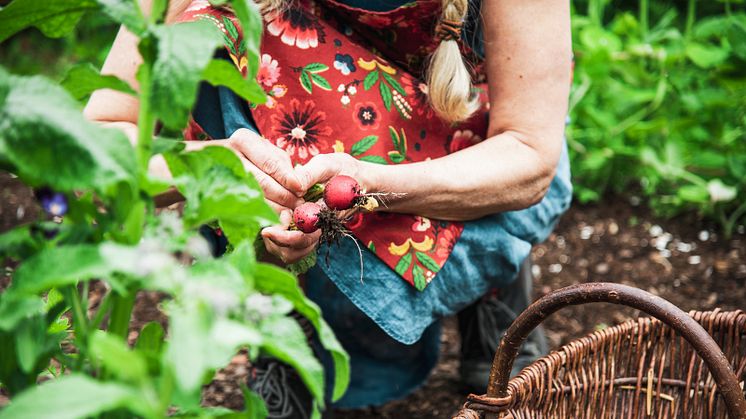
x,y
53,18
117,358
150,344
320,81
370,79
419,278
385,95
83,79
396,157
305,81
395,138
167,145
230,27
59,266
158,10
372,246
273,280
315,67
223,73
126,13
403,265
284,339
254,405
374,159
72,397
706,56
184,50
363,145
395,84
693,193
427,262
252,26
14,308
40,124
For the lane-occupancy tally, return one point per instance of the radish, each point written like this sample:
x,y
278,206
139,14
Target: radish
x,y
342,193
306,217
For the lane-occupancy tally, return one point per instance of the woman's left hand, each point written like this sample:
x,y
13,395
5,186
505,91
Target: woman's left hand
x,y
289,246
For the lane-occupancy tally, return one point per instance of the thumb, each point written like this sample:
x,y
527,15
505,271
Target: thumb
x,y
319,169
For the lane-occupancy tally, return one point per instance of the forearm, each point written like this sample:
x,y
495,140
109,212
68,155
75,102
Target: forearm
x,y
502,173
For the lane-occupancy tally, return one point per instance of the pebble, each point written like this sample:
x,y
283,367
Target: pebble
x,y
586,232
602,268
560,242
626,253
741,229
665,253
684,247
613,228
704,235
20,212
634,200
564,259
694,260
555,268
536,271
655,230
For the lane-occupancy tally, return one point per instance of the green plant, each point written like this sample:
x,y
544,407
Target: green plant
x,y
661,106
101,224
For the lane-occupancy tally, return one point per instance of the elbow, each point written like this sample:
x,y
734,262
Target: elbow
x,y
537,186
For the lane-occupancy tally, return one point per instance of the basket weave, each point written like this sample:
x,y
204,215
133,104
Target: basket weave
x,y
639,369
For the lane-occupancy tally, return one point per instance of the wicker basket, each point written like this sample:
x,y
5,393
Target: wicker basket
x,y
668,367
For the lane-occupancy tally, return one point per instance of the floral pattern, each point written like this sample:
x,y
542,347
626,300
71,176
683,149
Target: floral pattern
x,y
300,129
345,96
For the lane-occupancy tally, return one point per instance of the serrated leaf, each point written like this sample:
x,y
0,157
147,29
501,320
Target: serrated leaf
x,y
427,262
395,84
84,79
363,145
73,396
403,265
419,278
41,128
370,80
53,18
184,51
305,81
385,95
315,67
223,73
320,81
273,280
374,159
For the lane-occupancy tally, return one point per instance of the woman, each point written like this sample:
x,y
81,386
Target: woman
x,y
470,168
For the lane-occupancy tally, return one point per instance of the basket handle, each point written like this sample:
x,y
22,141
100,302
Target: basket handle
x,y
613,293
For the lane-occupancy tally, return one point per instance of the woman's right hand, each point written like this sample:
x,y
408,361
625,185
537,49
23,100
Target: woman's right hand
x,y
271,167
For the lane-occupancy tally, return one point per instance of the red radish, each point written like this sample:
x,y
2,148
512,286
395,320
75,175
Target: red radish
x,y
342,192
306,217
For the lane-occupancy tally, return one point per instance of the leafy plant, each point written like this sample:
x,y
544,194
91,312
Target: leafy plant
x,y
101,224
661,106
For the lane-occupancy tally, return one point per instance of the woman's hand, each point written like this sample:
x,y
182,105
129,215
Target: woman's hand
x,y
288,245
271,167
323,167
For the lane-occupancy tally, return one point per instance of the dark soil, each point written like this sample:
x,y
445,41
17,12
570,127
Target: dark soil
x,y
682,260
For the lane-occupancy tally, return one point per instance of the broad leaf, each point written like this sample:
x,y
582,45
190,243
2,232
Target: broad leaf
x,y
72,397
54,18
50,143
117,358
363,145
273,280
126,13
223,73
84,79
184,50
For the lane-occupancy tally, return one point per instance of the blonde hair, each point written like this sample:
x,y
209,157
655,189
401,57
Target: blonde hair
x,y
448,79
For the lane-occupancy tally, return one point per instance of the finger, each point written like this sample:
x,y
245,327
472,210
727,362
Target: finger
x,y
271,159
287,255
293,239
273,191
319,169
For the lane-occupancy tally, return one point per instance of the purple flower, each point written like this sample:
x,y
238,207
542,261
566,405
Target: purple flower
x,y
53,203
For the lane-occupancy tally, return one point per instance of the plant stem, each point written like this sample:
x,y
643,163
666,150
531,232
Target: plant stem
x,y
103,308
121,311
644,18
80,319
145,120
691,11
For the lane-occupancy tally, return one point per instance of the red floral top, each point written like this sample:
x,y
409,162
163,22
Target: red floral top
x,y
341,79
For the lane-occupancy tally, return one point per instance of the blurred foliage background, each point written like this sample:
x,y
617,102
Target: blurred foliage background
x,y
657,110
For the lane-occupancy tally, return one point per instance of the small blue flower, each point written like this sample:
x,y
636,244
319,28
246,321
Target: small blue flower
x,y
344,63
53,203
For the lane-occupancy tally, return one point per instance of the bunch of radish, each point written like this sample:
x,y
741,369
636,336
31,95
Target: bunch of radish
x,y
341,196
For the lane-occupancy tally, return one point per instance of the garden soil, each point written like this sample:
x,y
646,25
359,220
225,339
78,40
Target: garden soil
x,y
683,260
